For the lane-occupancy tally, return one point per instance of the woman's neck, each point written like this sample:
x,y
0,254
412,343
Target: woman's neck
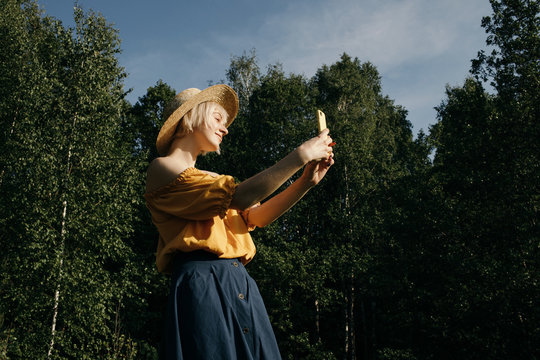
x,y
184,150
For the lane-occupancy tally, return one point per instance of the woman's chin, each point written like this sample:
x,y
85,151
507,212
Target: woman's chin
x,y
215,149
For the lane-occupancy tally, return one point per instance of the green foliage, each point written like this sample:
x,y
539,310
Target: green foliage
x,y
514,35
146,117
68,183
141,126
485,179
305,260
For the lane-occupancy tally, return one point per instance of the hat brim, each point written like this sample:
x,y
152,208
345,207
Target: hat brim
x,y
222,94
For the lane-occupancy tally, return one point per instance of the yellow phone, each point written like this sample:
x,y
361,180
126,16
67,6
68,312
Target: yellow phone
x,y
321,118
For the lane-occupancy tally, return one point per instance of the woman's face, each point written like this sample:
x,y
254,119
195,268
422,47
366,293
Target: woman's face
x,y
210,135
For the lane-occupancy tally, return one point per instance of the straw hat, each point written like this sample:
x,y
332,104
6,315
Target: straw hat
x,y
185,101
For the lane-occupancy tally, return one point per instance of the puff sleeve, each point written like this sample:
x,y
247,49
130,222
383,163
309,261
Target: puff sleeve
x,y
194,195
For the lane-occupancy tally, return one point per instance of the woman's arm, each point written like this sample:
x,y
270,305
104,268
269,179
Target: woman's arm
x,y
262,185
276,206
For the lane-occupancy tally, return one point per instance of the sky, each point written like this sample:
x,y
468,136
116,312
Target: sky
x,y
418,46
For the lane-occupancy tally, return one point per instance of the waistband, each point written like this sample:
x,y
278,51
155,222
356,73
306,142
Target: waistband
x,y
189,260
197,255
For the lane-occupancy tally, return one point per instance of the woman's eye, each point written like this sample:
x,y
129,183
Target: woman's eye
x,y
218,117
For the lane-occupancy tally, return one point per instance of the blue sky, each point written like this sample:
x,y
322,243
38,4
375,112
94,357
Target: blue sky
x,y
418,46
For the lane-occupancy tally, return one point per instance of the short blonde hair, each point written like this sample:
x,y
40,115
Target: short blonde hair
x,y
199,116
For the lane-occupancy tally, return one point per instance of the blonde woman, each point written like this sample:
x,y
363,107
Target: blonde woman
x,y
215,310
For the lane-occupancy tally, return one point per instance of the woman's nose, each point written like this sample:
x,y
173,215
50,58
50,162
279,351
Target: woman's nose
x,y
224,130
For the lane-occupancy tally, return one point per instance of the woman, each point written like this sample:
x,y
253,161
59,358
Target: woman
x,y
215,310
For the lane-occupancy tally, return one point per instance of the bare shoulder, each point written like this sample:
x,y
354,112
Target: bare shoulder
x,y
161,172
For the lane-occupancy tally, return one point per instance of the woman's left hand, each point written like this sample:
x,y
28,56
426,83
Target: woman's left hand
x,y
315,171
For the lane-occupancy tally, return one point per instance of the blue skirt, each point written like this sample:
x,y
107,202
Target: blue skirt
x,y
215,311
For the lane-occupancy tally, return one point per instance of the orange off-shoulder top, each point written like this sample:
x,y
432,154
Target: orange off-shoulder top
x,y
192,213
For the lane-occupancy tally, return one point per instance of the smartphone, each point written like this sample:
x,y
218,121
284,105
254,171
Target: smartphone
x,y
321,118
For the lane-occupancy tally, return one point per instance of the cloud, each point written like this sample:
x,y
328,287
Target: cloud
x,y
387,33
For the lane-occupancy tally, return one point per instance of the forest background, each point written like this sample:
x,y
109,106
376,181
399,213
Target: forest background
x,y
413,247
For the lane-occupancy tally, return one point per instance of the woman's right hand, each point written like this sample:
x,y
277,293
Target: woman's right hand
x,y
317,148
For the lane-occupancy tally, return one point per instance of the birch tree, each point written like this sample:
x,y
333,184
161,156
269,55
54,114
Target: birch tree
x,y
67,191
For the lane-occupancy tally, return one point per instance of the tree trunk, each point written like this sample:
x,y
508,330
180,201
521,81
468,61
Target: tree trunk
x,y
60,256
317,322
350,333
346,353
60,273
351,310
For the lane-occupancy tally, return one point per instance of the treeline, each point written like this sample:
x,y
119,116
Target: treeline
x,y
411,248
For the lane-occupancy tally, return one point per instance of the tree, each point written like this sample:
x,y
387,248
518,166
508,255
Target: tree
x,y
486,173
141,126
67,190
243,76
373,141
514,35
317,257
146,118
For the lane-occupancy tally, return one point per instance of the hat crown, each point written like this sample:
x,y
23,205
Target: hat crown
x,y
187,94
178,100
